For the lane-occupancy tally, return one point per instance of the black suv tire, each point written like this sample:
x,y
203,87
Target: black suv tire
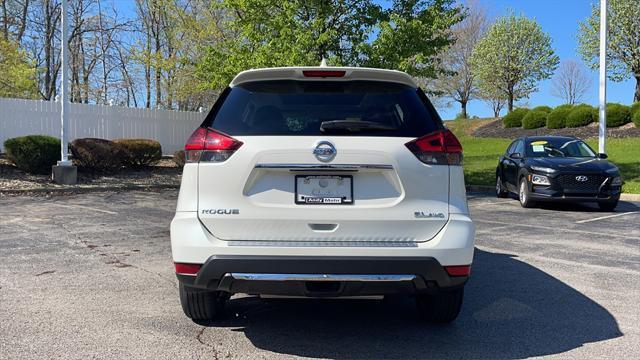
x,y
441,308
201,305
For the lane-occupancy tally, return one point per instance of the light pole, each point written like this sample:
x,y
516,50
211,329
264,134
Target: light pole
x,y
602,133
64,172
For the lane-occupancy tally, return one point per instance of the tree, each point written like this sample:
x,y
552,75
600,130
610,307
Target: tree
x,y
459,82
514,56
411,36
261,33
571,82
17,75
623,52
493,97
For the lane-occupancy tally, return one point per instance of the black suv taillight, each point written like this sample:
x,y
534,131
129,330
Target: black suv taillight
x,y
209,145
437,148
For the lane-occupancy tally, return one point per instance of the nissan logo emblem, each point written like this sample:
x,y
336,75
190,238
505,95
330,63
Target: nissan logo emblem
x,y
324,151
582,178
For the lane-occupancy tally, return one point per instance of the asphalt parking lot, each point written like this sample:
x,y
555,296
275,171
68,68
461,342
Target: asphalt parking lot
x,y
90,276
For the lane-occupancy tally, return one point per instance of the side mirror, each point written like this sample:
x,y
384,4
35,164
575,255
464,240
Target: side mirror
x,y
602,156
516,156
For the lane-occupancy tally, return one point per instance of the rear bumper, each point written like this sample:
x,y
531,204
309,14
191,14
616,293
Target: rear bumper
x,y
323,276
192,243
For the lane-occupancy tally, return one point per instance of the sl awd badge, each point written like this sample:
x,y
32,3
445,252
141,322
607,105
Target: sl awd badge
x,y
428,215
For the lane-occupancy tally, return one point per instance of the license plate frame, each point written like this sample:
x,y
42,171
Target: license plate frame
x,y
319,200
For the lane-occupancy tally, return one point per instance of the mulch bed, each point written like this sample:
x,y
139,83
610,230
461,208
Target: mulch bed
x,y
495,129
162,175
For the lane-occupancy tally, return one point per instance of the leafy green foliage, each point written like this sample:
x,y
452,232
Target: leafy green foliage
x,y
534,119
34,153
98,155
636,118
635,108
514,118
17,75
623,52
268,33
581,115
618,115
140,152
543,108
558,117
514,56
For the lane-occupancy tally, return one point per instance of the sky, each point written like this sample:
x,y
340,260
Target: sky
x,y
559,19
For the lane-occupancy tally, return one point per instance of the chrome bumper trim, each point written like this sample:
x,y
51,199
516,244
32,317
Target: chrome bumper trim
x,y
320,277
295,167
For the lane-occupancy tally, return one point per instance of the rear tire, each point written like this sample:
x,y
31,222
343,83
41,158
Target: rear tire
x,y
500,190
201,306
523,194
608,205
442,307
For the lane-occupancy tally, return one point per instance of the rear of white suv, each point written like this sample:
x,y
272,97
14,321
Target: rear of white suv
x,y
322,182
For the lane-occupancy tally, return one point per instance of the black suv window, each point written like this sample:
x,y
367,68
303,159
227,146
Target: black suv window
x,y
362,108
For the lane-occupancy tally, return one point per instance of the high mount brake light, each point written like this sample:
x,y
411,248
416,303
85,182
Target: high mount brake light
x,y
210,145
323,73
437,148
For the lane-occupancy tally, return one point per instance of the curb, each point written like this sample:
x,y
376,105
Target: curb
x,y
82,190
491,189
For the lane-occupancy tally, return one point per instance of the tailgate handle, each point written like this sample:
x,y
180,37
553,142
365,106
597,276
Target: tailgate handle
x,y
323,227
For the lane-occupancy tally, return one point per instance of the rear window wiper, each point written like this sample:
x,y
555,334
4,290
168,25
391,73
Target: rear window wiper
x,y
353,125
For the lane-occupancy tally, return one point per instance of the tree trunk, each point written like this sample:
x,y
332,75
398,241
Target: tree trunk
x,y
510,101
463,112
636,97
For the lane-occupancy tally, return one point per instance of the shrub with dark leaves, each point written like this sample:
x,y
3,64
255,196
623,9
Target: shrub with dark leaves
x,y
34,153
98,155
140,152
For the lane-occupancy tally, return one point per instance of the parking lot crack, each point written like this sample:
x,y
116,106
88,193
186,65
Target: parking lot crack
x,y
201,341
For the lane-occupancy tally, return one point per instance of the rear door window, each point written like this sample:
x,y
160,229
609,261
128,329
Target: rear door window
x,y
307,108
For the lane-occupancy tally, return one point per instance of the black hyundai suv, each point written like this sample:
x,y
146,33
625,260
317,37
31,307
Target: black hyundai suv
x,y
557,168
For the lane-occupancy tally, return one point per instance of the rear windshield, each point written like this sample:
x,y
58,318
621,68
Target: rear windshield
x,y
360,108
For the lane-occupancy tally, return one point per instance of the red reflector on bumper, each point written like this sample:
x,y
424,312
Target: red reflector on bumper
x,y
187,269
461,270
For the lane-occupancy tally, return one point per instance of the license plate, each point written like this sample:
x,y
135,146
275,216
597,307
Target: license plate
x,y
324,189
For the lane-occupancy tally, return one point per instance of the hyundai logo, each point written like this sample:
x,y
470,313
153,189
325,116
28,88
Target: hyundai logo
x,y
325,151
582,178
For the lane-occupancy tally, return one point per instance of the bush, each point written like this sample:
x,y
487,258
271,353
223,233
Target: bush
x,y
545,108
34,153
140,152
98,154
514,118
581,115
636,118
558,117
178,158
618,115
534,119
635,108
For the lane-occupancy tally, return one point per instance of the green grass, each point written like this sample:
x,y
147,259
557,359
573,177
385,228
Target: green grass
x,y
481,158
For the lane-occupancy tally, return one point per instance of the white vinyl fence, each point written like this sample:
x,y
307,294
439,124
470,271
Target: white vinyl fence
x,y
35,117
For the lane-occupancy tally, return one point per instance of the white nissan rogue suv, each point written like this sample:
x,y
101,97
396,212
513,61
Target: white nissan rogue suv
x,y
322,182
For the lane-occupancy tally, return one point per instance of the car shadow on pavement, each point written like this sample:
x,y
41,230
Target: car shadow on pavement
x,y
511,310
623,206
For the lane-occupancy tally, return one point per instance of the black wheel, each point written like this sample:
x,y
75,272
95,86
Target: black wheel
x,y
523,194
201,305
608,205
442,307
501,192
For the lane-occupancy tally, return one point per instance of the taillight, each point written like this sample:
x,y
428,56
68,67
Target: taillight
x,y
437,148
187,269
210,145
458,270
323,73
